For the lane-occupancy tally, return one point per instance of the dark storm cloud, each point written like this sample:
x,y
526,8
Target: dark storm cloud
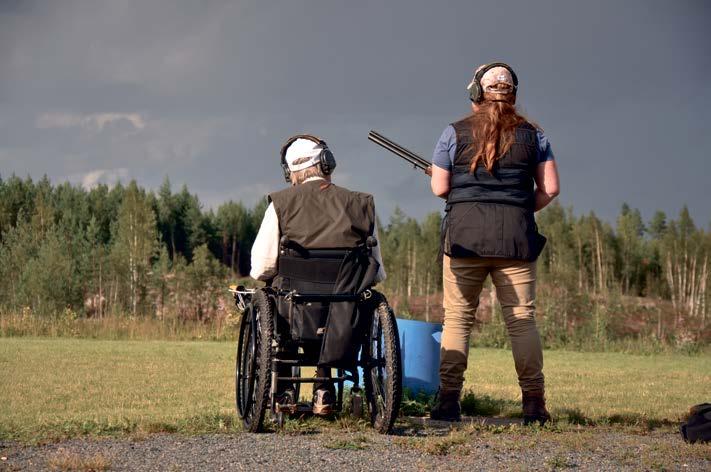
x,y
205,92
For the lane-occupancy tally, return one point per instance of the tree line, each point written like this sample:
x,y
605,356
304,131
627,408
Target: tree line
x,y
592,275
119,250
125,250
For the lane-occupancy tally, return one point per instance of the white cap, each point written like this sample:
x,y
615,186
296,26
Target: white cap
x,y
301,148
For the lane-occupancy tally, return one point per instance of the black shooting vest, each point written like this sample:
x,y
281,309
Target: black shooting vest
x,y
318,215
491,214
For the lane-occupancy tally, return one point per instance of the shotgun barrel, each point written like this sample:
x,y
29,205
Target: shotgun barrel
x,y
398,150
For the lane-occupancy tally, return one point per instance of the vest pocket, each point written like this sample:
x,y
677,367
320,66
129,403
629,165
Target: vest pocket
x,y
524,241
467,226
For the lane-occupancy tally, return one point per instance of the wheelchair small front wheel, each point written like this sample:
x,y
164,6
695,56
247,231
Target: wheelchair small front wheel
x,y
254,357
280,420
383,374
356,404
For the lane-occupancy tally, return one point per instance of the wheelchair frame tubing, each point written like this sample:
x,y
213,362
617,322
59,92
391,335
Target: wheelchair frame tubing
x,y
275,363
253,359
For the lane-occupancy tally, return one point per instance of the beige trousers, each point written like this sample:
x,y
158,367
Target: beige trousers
x,y
515,283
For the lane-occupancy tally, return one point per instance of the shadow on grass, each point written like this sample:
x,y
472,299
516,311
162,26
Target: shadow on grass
x,y
420,404
496,411
577,417
484,405
638,420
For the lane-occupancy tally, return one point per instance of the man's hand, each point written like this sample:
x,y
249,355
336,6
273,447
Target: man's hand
x,y
428,171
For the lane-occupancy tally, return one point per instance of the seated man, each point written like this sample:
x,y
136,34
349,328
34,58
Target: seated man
x,y
314,214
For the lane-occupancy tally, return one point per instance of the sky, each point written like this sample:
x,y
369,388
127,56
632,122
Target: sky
x,y
206,92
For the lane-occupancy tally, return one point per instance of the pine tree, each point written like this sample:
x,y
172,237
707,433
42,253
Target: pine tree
x,y
630,230
233,221
17,249
49,280
168,216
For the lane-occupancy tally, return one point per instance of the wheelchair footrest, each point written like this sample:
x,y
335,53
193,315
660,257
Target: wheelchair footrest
x,y
286,408
316,379
293,409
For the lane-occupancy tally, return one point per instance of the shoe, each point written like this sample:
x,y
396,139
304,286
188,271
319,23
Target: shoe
x,y
323,402
447,406
534,408
287,398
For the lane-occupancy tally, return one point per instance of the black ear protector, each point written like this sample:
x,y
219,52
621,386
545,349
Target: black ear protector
x,y
326,162
476,93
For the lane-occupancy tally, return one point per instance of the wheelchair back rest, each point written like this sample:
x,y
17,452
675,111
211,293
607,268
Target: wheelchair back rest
x,y
313,271
318,272
326,271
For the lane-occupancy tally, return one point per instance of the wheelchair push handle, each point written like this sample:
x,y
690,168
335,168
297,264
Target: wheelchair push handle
x,y
242,295
284,242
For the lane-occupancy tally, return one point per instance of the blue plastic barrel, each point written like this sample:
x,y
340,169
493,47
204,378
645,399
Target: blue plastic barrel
x,y
419,345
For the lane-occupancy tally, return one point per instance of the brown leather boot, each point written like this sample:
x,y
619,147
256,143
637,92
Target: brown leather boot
x,y
447,406
534,408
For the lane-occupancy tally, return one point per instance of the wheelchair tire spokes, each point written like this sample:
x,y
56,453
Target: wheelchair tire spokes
x,y
383,375
246,370
241,385
377,366
253,377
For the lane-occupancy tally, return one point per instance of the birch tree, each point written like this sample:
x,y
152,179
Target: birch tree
x,y
136,242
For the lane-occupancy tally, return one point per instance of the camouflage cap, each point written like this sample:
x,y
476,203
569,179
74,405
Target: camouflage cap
x,y
494,76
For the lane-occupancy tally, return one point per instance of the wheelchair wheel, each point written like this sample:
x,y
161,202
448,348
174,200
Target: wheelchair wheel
x,y
253,369
383,376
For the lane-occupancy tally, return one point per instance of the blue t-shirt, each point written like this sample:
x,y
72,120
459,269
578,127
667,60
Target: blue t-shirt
x,y
446,148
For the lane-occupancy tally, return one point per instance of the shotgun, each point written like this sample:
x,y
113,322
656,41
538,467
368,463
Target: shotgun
x,y
416,161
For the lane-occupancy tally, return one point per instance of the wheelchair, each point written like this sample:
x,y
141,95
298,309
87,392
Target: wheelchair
x,y
279,320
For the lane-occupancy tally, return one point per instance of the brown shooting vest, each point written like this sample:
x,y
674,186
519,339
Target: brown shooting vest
x,y
319,215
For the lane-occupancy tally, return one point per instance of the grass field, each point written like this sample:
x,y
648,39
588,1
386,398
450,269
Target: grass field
x,y
54,388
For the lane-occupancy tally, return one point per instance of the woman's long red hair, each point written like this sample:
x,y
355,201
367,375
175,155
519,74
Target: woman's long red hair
x,y
494,124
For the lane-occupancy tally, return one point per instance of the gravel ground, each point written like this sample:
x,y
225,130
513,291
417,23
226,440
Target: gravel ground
x,y
413,447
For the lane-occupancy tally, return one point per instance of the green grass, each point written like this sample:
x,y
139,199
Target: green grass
x,y
64,387
598,387
55,388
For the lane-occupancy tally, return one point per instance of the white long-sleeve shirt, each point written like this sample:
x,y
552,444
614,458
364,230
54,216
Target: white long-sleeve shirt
x,y
265,251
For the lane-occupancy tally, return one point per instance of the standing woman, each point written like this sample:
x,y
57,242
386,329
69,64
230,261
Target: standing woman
x,y
485,166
